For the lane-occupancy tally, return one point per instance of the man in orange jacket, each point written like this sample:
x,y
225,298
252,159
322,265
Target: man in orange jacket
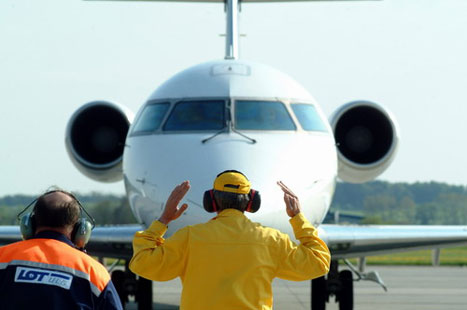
x,y
48,271
229,262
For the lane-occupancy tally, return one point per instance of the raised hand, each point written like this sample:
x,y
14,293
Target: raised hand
x,y
172,211
292,203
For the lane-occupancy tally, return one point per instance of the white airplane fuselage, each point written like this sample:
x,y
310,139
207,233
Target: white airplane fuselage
x,y
154,162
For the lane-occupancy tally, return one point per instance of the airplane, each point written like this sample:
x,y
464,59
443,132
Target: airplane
x,y
236,114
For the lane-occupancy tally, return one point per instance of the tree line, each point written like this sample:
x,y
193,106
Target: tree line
x,y
379,202
376,202
106,209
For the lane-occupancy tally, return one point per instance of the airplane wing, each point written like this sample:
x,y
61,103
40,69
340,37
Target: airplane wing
x,y
113,241
106,241
9,234
347,241
344,241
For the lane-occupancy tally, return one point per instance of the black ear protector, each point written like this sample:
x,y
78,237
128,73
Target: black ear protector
x,y
209,202
81,231
255,201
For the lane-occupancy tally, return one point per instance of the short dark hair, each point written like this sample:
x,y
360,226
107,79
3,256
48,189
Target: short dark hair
x,y
227,200
56,212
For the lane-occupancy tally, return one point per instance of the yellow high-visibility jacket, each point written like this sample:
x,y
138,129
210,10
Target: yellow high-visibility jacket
x,y
229,262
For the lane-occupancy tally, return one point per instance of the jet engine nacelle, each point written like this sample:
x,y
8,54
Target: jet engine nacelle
x,y
367,138
95,139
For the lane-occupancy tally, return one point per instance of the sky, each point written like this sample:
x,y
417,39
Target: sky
x,y
55,56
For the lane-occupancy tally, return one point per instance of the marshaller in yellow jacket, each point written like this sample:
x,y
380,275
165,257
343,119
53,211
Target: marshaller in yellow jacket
x,y
229,262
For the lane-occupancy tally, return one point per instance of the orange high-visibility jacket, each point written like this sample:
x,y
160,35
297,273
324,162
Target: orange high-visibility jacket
x,y
48,272
229,262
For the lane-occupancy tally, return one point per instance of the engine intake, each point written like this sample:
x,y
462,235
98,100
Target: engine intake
x,y
367,139
95,139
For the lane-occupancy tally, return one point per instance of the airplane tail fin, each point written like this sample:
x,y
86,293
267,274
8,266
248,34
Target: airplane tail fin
x,y
231,9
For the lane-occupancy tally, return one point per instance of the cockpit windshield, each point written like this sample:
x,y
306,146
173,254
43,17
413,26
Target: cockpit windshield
x,y
213,115
151,117
308,117
196,115
262,115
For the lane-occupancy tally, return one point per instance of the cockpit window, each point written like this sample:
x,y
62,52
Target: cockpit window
x,y
197,115
151,117
262,115
308,117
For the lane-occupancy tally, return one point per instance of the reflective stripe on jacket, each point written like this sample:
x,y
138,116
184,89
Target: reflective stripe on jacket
x,y
229,262
48,272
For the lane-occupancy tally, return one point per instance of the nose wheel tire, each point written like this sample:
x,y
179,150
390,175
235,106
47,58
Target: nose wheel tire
x,y
345,295
318,293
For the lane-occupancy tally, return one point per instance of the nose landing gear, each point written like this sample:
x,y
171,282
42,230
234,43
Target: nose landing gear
x,y
340,285
127,284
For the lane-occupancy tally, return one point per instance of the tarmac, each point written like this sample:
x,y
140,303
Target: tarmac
x,y
409,287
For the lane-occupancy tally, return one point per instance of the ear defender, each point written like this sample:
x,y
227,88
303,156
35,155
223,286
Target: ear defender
x,y
27,226
209,202
232,181
255,201
81,233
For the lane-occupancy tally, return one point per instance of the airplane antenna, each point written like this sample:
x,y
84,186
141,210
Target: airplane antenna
x,y
231,38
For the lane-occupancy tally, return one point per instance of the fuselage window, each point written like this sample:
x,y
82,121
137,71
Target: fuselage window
x,y
262,115
308,117
197,115
151,117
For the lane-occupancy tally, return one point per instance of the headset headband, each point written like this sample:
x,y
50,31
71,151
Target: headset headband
x,y
93,222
